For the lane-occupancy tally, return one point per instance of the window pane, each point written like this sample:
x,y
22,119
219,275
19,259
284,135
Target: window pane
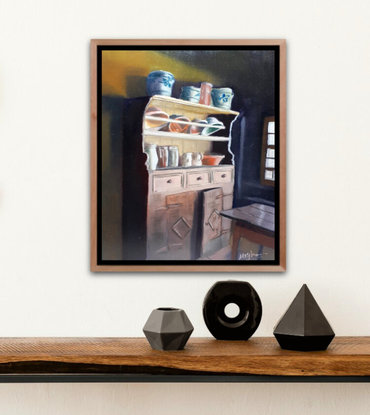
x,y
271,127
270,163
270,153
271,139
269,175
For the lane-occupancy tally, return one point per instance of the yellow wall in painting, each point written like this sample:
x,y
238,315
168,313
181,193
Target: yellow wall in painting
x,y
124,72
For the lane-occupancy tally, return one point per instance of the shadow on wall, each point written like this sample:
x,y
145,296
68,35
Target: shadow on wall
x,y
112,176
136,86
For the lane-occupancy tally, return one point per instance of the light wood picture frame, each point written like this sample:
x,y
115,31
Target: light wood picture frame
x,y
149,211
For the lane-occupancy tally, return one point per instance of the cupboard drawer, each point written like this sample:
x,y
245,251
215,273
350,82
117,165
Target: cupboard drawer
x,y
222,176
198,178
167,182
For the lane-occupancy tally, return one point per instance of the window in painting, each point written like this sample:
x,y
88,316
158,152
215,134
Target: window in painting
x,y
268,152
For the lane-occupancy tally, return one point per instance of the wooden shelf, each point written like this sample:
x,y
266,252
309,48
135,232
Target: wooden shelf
x,y
162,101
184,136
174,120
132,360
203,166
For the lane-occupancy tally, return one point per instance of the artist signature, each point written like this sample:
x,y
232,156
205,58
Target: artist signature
x,y
250,256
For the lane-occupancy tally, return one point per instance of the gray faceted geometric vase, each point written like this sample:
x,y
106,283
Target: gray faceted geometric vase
x,y
303,326
168,329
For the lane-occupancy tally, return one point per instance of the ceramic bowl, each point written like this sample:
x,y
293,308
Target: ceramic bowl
x,y
214,125
212,159
175,127
222,97
160,83
197,129
158,113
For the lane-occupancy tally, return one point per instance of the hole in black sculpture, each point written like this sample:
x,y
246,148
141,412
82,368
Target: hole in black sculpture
x,y
232,310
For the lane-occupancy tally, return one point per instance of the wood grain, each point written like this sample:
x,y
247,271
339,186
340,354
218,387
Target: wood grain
x,y
346,356
252,216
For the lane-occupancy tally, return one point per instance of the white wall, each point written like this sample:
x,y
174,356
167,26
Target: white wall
x,y
45,286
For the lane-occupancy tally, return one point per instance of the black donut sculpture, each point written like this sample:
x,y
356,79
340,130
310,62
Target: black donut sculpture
x,y
240,327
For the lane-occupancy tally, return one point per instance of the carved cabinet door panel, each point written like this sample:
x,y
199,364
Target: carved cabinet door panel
x,y
170,227
180,215
157,227
227,203
212,221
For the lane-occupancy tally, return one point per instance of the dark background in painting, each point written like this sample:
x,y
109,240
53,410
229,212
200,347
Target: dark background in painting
x,y
251,76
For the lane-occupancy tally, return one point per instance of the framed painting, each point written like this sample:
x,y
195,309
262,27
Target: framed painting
x,y
188,155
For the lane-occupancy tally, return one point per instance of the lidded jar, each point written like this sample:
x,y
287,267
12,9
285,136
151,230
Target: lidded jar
x,y
160,83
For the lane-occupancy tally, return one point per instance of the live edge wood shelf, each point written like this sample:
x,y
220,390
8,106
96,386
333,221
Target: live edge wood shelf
x,y
204,360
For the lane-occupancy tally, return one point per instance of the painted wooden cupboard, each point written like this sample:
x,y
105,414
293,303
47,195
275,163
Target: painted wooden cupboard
x,y
173,213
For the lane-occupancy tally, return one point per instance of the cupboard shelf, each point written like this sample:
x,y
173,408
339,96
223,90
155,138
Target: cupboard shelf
x,y
203,166
203,360
176,103
184,136
173,120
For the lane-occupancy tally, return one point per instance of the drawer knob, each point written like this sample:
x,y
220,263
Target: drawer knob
x,y
169,181
199,178
223,175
